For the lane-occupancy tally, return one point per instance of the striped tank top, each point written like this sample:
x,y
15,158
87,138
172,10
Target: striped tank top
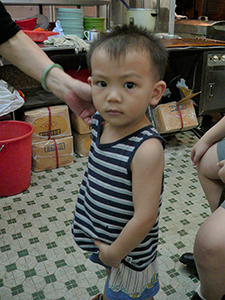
x,y
104,204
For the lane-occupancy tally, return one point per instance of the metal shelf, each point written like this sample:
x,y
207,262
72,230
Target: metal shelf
x,y
53,3
57,2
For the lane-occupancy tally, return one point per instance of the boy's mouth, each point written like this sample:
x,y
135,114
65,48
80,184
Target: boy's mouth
x,y
113,112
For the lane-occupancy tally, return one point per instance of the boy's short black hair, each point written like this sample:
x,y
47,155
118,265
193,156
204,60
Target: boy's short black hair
x,y
129,37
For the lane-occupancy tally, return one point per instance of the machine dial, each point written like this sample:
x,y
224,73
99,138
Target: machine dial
x,y
223,57
215,58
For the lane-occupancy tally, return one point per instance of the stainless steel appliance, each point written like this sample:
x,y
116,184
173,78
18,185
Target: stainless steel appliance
x,y
212,98
200,28
212,68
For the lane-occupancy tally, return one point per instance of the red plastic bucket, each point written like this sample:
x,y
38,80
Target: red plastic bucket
x,y
15,157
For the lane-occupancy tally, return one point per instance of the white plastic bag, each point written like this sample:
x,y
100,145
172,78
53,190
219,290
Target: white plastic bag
x,y
9,102
58,28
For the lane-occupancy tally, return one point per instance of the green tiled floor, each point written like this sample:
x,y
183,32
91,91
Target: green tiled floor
x,y
39,259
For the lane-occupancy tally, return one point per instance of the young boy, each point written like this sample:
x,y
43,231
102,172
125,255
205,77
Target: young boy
x,y
117,211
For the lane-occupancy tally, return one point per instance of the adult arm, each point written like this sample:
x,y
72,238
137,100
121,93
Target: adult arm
x,y
22,52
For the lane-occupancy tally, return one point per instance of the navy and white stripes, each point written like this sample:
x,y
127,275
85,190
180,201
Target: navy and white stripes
x,y
104,204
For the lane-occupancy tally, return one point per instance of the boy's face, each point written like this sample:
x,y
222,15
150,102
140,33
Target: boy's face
x,y
123,88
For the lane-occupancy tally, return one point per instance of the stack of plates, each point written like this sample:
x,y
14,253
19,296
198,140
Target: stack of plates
x,y
71,20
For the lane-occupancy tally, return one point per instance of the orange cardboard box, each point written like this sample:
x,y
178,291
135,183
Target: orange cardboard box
x,y
175,116
46,154
53,121
78,124
82,143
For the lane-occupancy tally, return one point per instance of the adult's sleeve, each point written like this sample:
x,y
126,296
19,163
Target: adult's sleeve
x,y
8,28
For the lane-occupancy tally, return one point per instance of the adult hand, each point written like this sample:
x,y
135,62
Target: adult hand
x,y
75,93
78,98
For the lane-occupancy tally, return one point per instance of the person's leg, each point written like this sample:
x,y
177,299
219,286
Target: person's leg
x,y
209,254
108,272
208,176
211,184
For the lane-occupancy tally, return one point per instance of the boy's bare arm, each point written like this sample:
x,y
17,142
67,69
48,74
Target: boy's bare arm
x,y
147,172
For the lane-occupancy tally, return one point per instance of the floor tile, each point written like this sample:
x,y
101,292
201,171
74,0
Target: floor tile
x,y
39,259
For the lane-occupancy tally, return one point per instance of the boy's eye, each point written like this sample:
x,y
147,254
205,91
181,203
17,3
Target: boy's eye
x,y
129,85
101,83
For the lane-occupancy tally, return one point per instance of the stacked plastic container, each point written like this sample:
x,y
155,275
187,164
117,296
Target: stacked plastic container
x,y
97,23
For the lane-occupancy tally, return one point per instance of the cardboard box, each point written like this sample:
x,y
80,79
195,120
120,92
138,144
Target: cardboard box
x,y
45,155
78,124
52,121
82,143
175,116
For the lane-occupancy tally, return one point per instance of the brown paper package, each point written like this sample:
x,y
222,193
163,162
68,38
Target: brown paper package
x,y
167,118
44,154
82,143
78,124
39,118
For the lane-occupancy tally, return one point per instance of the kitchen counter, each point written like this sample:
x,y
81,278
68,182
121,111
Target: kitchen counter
x,y
183,55
171,44
200,61
192,43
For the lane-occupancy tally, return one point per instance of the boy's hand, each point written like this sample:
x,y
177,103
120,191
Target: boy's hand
x,y
104,254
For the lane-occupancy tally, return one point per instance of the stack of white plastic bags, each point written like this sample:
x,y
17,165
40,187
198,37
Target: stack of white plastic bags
x,y
9,101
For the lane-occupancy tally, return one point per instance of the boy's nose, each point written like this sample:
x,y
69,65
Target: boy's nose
x,y
114,96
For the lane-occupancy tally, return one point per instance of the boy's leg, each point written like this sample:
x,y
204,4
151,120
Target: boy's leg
x,y
208,176
209,253
108,271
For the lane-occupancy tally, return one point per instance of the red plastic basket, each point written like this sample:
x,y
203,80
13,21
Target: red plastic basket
x,y
39,36
27,24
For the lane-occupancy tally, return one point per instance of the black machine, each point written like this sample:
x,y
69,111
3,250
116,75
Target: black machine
x,y
212,98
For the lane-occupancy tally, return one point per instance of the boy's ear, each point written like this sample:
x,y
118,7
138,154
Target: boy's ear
x,y
158,91
89,80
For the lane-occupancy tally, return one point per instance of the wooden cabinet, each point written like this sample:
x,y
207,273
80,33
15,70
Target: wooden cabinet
x,y
213,9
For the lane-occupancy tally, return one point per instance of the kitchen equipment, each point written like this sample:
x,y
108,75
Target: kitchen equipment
x,y
92,34
27,24
213,88
39,36
141,17
97,23
201,28
71,20
15,157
